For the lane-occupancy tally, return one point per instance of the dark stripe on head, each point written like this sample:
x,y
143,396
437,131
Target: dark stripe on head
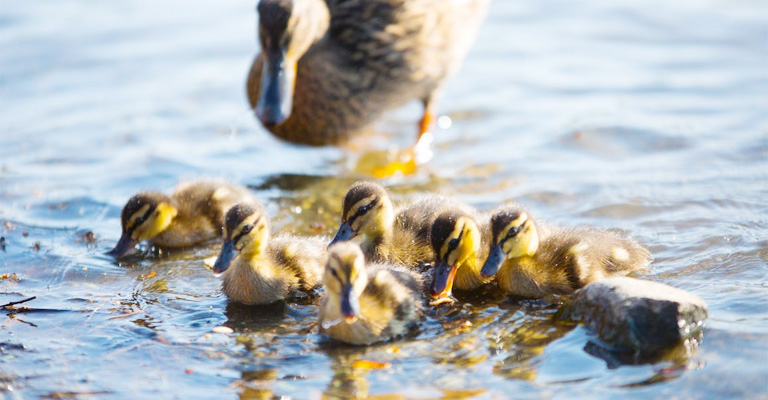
x,y
136,203
246,230
500,221
238,213
274,16
362,210
442,228
360,191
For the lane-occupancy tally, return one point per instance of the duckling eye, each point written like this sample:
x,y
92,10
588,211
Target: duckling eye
x,y
513,231
364,209
246,229
334,273
454,243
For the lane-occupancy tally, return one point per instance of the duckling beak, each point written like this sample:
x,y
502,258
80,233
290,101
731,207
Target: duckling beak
x,y
442,283
491,266
276,97
350,305
125,243
344,233
225,257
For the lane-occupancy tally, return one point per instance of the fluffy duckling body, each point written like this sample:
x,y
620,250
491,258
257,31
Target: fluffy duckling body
x,y
364,304
532,265
460,238
392,235
328,69
192,214
257,269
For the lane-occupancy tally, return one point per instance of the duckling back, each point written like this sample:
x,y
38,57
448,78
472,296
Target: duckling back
x,y
201,208
305,257
210,199
597,254
291,268
569,259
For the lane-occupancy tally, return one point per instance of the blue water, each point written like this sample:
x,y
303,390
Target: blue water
x,y
646,116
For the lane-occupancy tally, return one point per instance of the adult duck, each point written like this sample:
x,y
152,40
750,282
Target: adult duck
x,y
328,69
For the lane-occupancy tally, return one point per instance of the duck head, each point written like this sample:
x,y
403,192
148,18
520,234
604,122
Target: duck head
x,y
345,278
455,238
144,216
287,29
367,210
246,231
514,235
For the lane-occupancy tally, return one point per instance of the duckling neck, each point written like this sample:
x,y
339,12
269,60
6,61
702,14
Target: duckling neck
x,y
377,245
468,275
517,275
255,279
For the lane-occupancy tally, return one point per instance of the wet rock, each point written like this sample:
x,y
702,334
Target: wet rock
x,y
639,314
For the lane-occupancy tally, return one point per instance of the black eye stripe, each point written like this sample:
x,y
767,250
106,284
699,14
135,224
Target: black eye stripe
x,y
246,229
141,219
454,243
362,210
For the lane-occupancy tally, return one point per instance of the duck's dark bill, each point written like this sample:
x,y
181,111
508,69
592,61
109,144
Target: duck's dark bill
x,y
442,282
350,305
276,97
225,257
344,233
491,266
123,245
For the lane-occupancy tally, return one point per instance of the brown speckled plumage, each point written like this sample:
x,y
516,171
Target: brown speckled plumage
x,y
374,55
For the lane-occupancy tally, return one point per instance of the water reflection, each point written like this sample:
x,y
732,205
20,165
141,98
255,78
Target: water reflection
x,y
256,385
253,319
615,357
520,336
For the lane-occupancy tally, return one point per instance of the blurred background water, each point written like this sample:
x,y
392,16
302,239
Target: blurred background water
x,y
650,117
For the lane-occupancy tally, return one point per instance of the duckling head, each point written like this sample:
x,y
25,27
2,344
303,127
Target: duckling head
x,y
455,237
144,216
287,28
514,235
246,232
345,278
367,210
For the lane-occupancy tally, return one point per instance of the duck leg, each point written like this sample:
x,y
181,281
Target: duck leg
x,y
422,151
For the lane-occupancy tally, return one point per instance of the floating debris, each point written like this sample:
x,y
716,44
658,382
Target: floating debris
x,y
223,329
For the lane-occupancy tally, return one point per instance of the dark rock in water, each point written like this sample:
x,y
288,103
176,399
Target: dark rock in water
x,y
638,314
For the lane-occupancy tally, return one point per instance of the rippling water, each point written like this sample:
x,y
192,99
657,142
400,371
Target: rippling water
x,y
649,117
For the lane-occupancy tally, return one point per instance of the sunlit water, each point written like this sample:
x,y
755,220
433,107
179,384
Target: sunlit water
x,y
649,117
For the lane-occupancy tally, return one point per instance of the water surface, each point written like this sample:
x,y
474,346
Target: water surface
x,y
647,117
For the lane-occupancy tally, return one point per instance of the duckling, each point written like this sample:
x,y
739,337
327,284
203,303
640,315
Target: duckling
x,y
397,236
370,303
258,270
328,69
461,245
192,214
532,265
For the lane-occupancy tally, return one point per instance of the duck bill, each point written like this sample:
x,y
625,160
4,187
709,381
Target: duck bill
x,y
225,257
442,282
344,233
278,76
125,243
492,264
350,305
